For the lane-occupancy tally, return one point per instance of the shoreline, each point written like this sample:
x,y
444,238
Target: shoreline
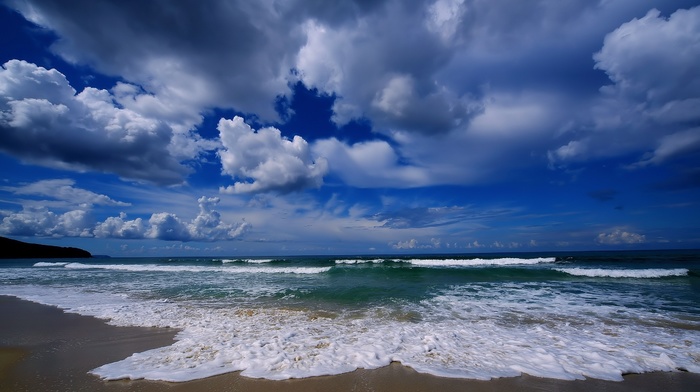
x,y
44,348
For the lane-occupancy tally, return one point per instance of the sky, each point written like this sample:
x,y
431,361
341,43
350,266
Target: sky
x,y
193,128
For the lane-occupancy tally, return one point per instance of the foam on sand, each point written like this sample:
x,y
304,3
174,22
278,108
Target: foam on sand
x,y
501,333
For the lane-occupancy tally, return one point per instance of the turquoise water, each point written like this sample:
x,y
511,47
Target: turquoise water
x,y
567,316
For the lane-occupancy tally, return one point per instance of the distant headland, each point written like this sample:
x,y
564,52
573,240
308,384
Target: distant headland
x,y
13,249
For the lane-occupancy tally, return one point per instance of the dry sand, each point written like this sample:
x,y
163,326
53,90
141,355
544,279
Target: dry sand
x,y
45,349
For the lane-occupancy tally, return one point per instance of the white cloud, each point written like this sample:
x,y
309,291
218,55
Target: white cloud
x,y
369,164
207,226
168,227
618,236
119,227
678,144
87,131
652,103
185,142
498,141
73,224
398,88
445,17
316,59
264,160
569,151
408,244
65,190
44,223
422,67
464,90
413,70
653,58
475,244
394,98
434,243
194,56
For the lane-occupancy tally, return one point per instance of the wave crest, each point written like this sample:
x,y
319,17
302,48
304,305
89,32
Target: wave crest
x,y
50,264
479,262
191,268
251,261
624,273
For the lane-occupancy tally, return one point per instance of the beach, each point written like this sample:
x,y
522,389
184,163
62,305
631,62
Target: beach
x,y
44,348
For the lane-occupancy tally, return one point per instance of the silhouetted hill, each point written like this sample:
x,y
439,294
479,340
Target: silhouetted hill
x,y
13,249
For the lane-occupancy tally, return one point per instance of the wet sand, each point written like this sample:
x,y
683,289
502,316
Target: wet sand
x,y
45,349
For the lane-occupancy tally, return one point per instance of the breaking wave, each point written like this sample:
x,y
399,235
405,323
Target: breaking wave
x,y
624,273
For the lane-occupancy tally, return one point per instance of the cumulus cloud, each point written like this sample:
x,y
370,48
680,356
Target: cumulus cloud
x,y
489,84
475,244
498,141
653,57
44,223
434,243
398,88
420,67
196,55
120,227
618,237
370,164
45,122
207,226
265,161
430,60
408,244
65,190
651,105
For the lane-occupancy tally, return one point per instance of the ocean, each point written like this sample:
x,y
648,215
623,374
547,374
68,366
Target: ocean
x,y
566,315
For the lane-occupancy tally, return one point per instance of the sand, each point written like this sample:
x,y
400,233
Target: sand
x,y
45,349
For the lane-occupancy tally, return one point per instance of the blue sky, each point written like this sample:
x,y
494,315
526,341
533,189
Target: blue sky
x,y
143,128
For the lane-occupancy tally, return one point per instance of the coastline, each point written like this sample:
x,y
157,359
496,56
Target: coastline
x,y
44,348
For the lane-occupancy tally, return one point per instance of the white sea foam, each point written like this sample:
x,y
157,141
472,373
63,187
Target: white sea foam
x,y
476,330
50,264
624,273
195,268
252,261
277,270
496,331
359,261
479,262
139,267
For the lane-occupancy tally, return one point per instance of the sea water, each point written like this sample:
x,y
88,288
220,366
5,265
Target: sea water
x,y
564,316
